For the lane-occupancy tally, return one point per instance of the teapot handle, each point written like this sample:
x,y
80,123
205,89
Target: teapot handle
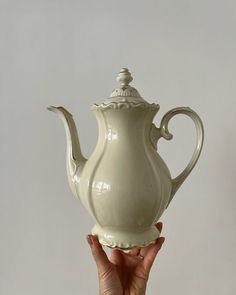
x,y
164,132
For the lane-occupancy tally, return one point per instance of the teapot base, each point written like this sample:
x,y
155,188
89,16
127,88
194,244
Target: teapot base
x,y
125,240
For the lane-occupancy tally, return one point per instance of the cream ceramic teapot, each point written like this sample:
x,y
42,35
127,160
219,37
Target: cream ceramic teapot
x,y
125,185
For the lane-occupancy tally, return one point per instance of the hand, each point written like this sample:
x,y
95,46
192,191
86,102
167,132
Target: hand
x,y
124,273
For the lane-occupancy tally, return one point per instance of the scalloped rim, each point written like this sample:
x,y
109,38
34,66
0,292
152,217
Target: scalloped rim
x,y
125,249
125,105
124,240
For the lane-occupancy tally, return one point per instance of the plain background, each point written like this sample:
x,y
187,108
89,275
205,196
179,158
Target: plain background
x,y
181,53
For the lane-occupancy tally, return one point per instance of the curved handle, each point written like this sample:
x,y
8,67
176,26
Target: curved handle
x,y
164,132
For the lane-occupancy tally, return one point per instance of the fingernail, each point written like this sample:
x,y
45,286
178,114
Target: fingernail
x,y
89,240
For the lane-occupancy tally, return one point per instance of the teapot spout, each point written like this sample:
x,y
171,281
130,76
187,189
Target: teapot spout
x,y
74,159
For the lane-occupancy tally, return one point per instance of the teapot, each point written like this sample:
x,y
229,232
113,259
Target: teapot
x,y
125,185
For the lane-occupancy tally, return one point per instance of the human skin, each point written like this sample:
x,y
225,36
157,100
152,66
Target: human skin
x,y
124,273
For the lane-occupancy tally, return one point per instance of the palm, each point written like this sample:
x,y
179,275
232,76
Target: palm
x,y
127,273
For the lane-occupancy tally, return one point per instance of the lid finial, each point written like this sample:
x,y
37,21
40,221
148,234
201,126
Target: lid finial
x,y
124,96
124,89
124,77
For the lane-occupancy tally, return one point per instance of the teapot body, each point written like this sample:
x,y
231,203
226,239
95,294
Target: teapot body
x,y
125,185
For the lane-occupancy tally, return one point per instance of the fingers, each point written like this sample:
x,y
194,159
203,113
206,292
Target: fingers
x,y
144,250
134,251
148,253
152,253
99,254
116,257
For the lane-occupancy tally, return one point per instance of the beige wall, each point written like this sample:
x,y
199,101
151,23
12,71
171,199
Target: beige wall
x,y
181,53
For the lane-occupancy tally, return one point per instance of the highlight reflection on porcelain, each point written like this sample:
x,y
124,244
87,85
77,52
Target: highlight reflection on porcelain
x,y
125,185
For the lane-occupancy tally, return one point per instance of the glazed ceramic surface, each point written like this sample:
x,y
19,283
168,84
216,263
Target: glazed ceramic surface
x,y
125,185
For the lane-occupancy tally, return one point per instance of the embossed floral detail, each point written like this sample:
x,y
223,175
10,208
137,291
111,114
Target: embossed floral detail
x,y
125,91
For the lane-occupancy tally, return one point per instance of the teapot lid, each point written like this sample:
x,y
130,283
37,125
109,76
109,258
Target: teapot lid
x,y
124,96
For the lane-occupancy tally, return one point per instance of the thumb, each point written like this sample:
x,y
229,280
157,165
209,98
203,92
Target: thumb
x,y
99,255
152,251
